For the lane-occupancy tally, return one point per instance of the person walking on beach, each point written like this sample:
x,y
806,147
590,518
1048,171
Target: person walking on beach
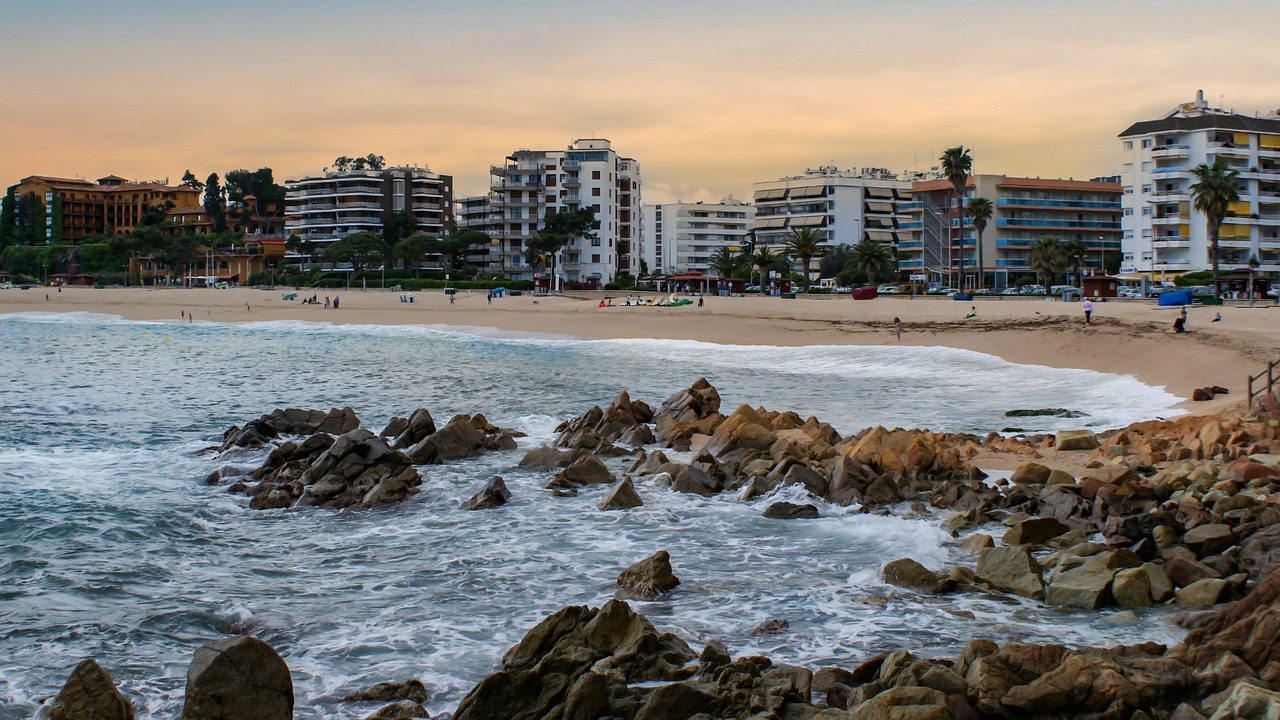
x,y
1087,306
335,302
326,302
699,301
897,327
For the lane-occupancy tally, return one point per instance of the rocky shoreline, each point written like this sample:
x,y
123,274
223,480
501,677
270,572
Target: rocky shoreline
x,y
1183,512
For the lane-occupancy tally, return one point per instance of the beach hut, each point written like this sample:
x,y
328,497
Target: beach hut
x,y
1100,286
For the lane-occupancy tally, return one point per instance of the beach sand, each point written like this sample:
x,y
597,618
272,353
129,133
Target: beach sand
x,y
1127,337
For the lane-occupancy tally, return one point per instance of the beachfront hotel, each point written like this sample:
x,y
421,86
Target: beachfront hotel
x,y
589,173
46,210
678,237
328,206
1163,233
843,206
1025,209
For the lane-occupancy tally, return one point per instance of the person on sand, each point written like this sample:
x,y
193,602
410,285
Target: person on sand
x,y
1087,307
973,312
699,301
326,302
897,327
601,303
335,302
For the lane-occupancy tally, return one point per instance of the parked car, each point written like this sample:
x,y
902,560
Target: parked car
x,y
1011,291
751,289
941,290
887,289
1132,293
1031,290
1158,290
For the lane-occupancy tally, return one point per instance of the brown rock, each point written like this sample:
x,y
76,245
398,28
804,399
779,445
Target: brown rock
x,y
908,573
621,496
1030,474
493,494
239,678
90,694
650,577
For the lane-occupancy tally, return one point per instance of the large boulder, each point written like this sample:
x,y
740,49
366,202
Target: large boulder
x,y
493,494
90,694
238,678
360,468
623,417
411,689
1034,531
905,572
291,421
687,407
1209,539
416,428
743,429
1076,440
573,658
1248,629
1012,569
460,438
905,703
586,470
791,511
1248,701
1088,585
546,457
1131,587
649,578
621,496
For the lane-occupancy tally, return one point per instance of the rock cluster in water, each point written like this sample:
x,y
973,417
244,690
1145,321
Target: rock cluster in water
x,y
1184,511
357,467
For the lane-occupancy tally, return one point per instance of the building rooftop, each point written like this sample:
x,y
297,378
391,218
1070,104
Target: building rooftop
x,y
1197,115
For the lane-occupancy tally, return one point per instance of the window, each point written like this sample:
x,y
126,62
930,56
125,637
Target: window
x,y
1146,212
596,209
1146,143
595,174
1128,144
1147,188
595,242
595,258
1128,212
595,192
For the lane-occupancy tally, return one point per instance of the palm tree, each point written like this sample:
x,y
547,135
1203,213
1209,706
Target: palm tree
x,y
1045,258
981,210
1212,194
764,258
806,244
870,256
724,263
1074,252
956,165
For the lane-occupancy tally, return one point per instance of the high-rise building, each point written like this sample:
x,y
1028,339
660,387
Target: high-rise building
x,y
844,206
678,237
326,207
587,174
44,209
1024,210
480,213
1163,232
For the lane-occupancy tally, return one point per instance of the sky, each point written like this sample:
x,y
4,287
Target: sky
x,y
709,96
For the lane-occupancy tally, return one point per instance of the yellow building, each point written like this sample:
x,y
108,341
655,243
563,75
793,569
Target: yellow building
x,y
70,209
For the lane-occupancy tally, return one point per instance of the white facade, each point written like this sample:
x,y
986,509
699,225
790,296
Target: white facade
x,y
1161,231
677,237
327,207
587,174
845,206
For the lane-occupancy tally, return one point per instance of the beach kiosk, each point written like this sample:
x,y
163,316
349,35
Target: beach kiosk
x,y
1100,286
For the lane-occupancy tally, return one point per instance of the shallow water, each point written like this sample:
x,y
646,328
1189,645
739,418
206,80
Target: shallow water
x,y
113,548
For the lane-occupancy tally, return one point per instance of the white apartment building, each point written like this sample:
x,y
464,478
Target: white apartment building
x,y
326,207
845,206
677,237
587,174
480,213
1162,232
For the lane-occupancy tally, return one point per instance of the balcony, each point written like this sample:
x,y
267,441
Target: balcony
x,y
1174,219
428,207
1048,223
1160,196
1181,151
427,192
1174,243
911,225
1074,204
572,181
910,207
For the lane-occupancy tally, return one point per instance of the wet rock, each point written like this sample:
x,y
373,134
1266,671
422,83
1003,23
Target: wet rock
x,y
690,479
459,439
493,494
775,626
1161,586
291,421
621,496
790,511
1012,569
1260,552
547,458
213,478
1184,571
976,542
1202,593
1248,701
239,678
586,470
905,703
1030,474
1209,539
1076,440
360,468
649,578
411,689
401,710
1131,587
90,694
1085,586
908,573
418,427
649,463
1034,531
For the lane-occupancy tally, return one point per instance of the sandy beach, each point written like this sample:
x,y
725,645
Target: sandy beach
x,y
1126,337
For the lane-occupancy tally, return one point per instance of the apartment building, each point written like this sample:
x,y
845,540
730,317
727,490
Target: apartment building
x,y
1025,210
845,206
47,209
678,237
589,173
480,213
1163,233
326,207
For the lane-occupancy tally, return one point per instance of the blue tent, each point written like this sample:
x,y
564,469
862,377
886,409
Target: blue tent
x,y
1174,297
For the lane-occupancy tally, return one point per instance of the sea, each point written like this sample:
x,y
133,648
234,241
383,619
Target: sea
x,y
114,548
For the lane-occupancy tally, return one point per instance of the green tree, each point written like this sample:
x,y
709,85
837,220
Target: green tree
x,y
1212,194
1074,251
375,162
981,210
255,192
8,220
871,257
764,260
191,181
459,244
215,203
342,163
558,230
359,249
1111,261
806,244
1046,258
956,166
413,250
401,224
724,262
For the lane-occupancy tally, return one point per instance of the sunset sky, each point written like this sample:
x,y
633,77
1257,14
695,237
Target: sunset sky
x,y
709,96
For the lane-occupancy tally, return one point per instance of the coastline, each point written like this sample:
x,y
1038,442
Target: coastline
x,y
1126,338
